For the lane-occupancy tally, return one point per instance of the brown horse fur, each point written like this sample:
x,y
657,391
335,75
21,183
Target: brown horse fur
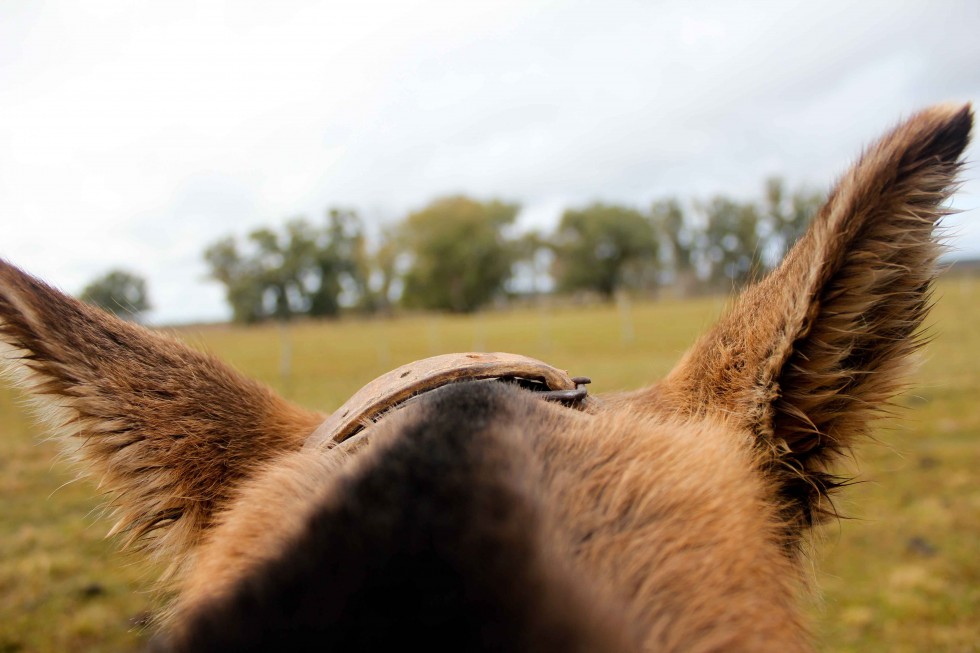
x,y
484,518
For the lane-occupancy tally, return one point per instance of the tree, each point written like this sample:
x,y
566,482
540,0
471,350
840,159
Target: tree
x,y
679,241
281,262
341,263
458,252
731,241
668,221
787,216
534,257
381,271
603,247
264,281
120,292
300,269
240,277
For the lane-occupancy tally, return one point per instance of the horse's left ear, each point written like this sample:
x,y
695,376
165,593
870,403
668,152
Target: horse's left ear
x,y
168,430
810,354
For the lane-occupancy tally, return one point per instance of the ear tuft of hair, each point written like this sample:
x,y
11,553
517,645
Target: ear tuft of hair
x,y
811,354
168,430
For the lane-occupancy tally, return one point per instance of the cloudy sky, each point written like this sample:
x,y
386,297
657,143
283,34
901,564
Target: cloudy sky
x,y
134,134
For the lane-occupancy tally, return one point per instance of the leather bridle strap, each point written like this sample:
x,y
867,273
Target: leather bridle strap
x,y
390,390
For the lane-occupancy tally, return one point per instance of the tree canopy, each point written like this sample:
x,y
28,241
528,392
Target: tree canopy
x,y
731,241
302,269
603,247
787,214
459,255
120,292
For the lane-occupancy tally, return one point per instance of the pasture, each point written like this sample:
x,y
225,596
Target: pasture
x,y
901,574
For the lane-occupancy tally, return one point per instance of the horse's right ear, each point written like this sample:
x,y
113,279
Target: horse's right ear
x,y
168,430
809,355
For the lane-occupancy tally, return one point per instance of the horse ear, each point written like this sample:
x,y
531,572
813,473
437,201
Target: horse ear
x,y
808,356
169,430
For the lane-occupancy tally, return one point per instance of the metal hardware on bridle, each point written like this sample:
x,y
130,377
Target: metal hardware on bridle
x,y
568,397
409,382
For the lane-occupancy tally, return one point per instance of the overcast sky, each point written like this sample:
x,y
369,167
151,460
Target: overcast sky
x,y
134,134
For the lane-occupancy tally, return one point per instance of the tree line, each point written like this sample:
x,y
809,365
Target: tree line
x,y
458,254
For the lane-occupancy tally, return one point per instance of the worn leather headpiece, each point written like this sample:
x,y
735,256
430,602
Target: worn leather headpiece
x,y
394,389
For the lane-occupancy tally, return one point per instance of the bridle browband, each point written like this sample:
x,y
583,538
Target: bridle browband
x,y
398,387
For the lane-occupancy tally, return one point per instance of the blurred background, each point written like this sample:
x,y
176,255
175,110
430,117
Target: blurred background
x,y
138,135
551,178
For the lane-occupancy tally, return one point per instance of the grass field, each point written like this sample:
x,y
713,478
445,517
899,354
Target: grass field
x,y
902,575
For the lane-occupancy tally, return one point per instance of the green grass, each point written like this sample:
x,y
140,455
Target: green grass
x,y
902,575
